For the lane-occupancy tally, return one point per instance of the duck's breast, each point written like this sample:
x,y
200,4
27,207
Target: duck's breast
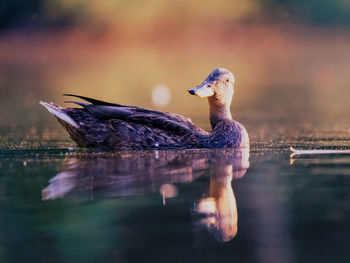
x,y
228,134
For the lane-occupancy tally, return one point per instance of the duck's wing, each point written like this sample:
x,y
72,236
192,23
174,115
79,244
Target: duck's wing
x,y
169,122
113,110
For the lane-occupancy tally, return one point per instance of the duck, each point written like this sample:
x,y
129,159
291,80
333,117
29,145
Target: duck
x,y
110,126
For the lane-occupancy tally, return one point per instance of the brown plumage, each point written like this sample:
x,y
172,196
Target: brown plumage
x,y
105,125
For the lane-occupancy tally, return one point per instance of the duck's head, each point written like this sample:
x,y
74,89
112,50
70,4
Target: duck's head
x,y
218,87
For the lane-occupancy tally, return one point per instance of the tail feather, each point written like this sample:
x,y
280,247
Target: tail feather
x,y
59,113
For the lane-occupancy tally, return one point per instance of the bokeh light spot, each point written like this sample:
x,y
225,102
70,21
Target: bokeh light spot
x,y
168,190
160,95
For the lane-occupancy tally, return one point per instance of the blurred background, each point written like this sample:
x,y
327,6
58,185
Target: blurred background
x,y
291,59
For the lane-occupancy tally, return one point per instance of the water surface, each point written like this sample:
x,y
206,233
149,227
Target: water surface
x,y
63,204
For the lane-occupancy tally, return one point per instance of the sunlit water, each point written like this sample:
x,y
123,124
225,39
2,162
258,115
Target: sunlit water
x,y
64,204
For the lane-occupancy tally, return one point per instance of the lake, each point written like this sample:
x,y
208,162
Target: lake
x,y
60,203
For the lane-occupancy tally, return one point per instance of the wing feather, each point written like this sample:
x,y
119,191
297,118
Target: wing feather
x,y
93,101
172,123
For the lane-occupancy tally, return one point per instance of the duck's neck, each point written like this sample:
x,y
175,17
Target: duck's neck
x,y
219,112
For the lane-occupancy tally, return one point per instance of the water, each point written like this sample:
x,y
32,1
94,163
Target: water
x,y
64,204
69,205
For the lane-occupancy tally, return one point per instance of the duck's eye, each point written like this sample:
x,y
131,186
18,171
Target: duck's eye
x,y
227,80
209,86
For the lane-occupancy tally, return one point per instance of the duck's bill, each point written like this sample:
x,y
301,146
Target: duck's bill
x,y
203,91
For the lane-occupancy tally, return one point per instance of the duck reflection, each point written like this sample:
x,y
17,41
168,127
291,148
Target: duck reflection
x,y
137,173
220,207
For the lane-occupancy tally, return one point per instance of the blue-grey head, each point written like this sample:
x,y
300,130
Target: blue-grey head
x,y
218,87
